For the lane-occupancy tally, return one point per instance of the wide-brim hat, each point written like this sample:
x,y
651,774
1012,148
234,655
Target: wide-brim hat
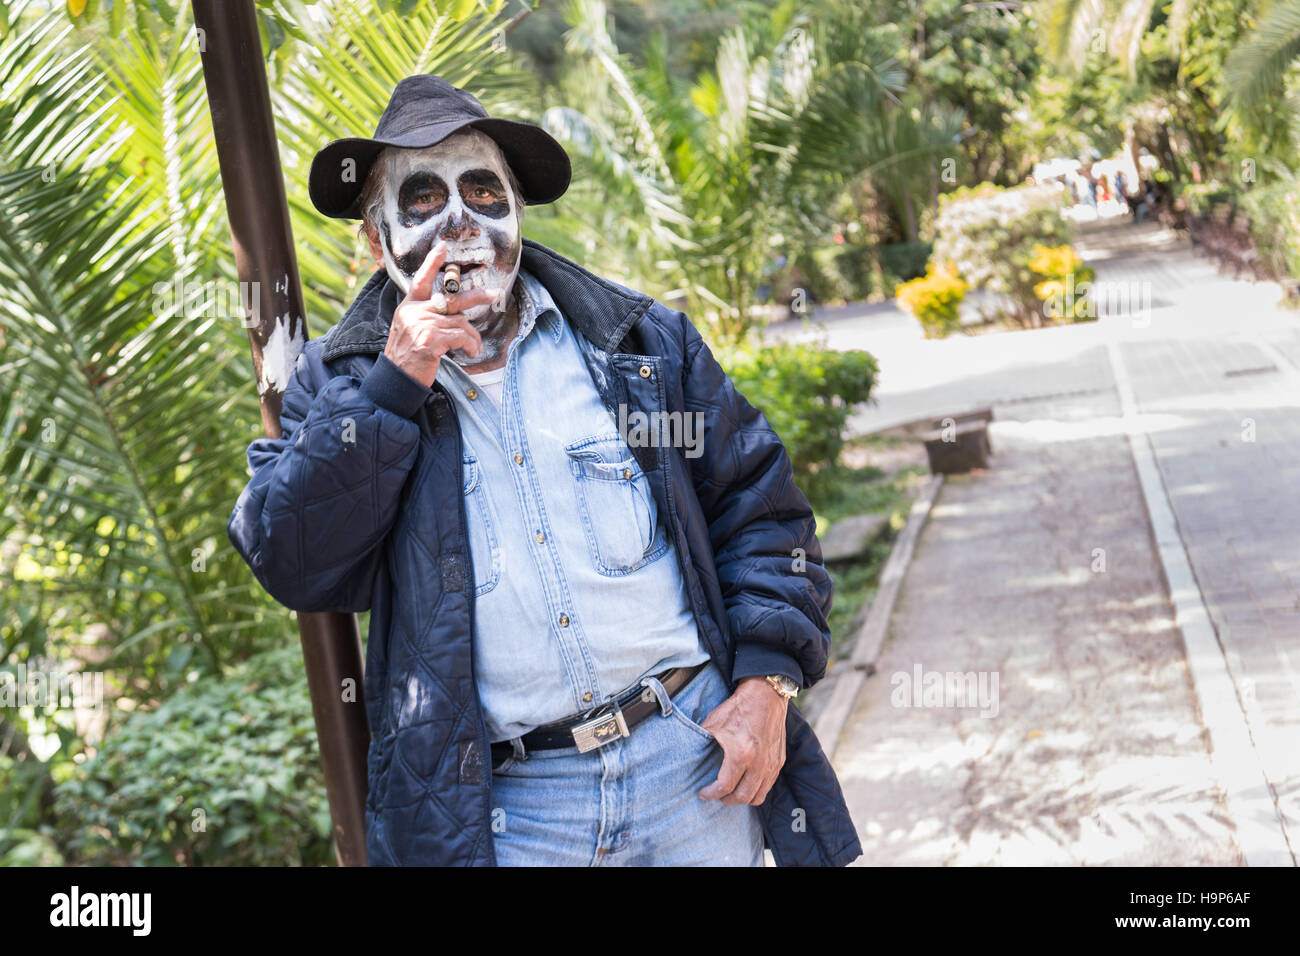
x,y
423,111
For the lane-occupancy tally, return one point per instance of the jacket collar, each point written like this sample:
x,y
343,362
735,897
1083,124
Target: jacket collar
x,y
603,311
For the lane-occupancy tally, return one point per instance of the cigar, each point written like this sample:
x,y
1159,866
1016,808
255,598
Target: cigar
x,y
451,280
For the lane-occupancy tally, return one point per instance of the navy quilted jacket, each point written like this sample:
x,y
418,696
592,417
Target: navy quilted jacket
x,y
358,506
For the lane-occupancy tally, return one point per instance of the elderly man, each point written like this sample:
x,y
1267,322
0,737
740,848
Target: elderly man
x,y
593,584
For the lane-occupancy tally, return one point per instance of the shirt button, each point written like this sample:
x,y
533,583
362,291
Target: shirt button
x,y
472,393
519,459
586,698
540,537
645,371
564,620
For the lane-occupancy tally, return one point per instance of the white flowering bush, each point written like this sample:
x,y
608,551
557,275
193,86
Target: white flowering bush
x,y
988,235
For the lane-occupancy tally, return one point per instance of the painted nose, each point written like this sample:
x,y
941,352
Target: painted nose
x,y
458,226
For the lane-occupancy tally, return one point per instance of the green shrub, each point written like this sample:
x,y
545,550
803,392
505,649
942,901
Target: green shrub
x,y
807,393
23,839
29,848
907,260
1274,212
989,233
854,264
823,279
1200,198
224,772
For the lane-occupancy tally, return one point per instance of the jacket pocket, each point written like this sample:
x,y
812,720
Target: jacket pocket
x,y
619,515
483,546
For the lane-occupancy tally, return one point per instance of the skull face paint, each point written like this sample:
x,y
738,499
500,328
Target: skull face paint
x,y
456,191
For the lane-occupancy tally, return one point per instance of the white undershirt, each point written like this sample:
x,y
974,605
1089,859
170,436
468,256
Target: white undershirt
x,y
489,382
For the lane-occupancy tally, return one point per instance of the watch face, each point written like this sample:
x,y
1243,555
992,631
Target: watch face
x,y
786,684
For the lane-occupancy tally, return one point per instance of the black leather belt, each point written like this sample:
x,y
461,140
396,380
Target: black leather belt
x,y
599,726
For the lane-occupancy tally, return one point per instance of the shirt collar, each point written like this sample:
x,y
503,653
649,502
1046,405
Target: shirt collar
x,y
536,307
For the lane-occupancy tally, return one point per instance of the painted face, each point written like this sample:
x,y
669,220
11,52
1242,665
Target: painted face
x,y
457,191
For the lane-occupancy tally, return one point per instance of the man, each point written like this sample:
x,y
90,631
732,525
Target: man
x,y
585,630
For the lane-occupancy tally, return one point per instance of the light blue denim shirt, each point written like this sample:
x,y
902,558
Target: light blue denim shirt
x,y
578,591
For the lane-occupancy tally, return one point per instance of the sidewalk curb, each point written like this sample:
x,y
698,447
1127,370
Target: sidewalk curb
x,y
1251,803
861,663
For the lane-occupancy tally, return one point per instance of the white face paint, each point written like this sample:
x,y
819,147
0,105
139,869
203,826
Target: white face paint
x,y
457,191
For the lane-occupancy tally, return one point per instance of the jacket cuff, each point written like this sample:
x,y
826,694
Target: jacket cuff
x,y
390,388
755,660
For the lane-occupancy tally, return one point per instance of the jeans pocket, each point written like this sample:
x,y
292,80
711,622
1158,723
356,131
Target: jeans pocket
x,y
503,768
690,724
619,516
698,699
484,550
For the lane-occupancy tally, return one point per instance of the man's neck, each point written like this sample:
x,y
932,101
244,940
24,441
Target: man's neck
x,y
499,332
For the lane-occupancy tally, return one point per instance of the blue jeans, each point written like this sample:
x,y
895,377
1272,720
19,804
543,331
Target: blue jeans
x,y
632,802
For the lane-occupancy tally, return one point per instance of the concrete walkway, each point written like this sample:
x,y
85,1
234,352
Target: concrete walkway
x,y
1042,574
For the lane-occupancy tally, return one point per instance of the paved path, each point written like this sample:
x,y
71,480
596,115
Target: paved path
x,y
1098,753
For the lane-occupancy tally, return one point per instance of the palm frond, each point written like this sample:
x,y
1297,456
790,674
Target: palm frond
x,y
114,398
1257,65
1071,29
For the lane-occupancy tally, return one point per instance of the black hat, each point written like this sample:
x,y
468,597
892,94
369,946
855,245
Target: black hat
x,y
423,111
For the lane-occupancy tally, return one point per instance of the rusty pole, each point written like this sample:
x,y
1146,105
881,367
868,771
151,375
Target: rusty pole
x,y
240,102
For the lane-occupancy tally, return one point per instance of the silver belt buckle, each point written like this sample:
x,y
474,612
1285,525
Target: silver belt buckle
x,y
599,731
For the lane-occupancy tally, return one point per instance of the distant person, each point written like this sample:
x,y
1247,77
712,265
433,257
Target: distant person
x,y
1147,202
1090,186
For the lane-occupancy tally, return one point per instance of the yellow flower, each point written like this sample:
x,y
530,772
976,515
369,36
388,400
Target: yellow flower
x,y
1045,290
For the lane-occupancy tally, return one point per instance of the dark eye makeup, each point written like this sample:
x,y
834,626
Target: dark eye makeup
x,y
421,195
484,192
424,194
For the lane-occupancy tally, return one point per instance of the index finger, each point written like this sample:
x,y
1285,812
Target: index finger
x,y
422,281
728,777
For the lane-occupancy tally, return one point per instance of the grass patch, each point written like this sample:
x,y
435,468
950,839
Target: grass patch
x,y
849,491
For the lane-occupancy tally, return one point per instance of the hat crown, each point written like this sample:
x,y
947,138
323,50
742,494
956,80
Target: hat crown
x,y
424,99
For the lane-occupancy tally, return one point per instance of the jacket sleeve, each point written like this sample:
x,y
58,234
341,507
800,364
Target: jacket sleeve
x,y
761,528
312,520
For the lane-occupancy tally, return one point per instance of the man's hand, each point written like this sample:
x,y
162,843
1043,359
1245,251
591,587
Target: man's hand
x,y
426,326
750,726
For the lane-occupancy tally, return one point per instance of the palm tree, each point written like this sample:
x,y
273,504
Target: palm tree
x,y
1073,28
708,183
115,440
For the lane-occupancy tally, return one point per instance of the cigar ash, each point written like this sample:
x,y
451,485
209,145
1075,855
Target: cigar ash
x,y
451,279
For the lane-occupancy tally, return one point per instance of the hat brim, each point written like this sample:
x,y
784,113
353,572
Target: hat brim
x,y
538,161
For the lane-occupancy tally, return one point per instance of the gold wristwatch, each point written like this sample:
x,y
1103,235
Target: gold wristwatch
x,y
783,685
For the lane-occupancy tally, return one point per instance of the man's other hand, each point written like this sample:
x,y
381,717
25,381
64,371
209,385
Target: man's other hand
x,y
750,726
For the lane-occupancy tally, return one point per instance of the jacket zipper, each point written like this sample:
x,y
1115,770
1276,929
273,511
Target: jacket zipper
x,y
467,573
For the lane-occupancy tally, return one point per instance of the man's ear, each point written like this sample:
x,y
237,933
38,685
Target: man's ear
x,y
376,250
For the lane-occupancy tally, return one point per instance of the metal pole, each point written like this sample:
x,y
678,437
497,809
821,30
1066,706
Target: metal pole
x,y
240,102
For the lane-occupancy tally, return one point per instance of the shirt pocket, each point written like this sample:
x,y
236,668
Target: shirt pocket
x,y
484,549
617,507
